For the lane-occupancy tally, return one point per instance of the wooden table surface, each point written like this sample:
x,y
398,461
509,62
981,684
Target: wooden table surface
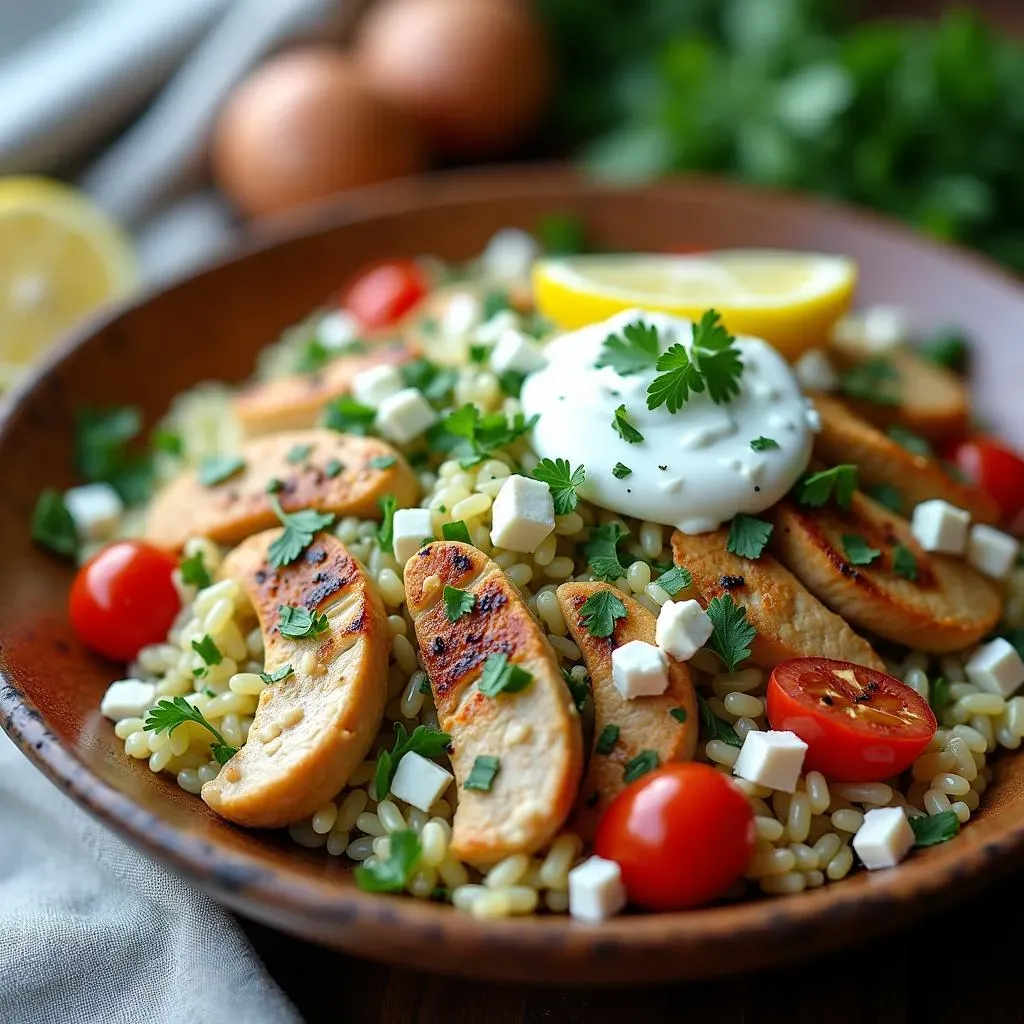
x,y
910,976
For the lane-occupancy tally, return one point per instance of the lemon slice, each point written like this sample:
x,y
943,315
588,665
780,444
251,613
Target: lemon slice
x,y
791,299
60,259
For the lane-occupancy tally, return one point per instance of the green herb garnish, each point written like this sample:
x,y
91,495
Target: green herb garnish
x,y
625,429
933,829
494,303
948,348
383,461
748,536
298,453
938,695
53,525
632,351
600,611
300,623
394,873
434,381
348,416
208,650
470,437
169,714
456,530
839,482
910,441
478,354
423,741
886,496
732,634
333,468
194,572
578,688
102,455
644,762
167,441
561,234
457,603
858,551
386,530
714,728
675,580
606,740
482,774
277,675
562,481
874,381
511,382
620,471
501,676
763,444
215,469
601,551
904,563
679,714
299,530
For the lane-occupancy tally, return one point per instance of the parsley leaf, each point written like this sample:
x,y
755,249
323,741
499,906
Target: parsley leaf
x,y
601,551
675,580
644,762
625,429
904,563
562,481
300,623
298,453
392,874
332,469
948,348
471,438
634,350
434,381
299,529
910,441
348,416
934,828
579,688
194,572
208,650
600,611
386,530
500,676
482,774
511,382
274,486
732,634
816,489
169,714
620,472
938,695
424,741
763,444
561,234
479,354
383,461
457,603
679,714
215,469
714,728
874,381
748,536
277,675
606,740
494,302
857,550
167,441
101,455
679,376
456,531
53,525
887,496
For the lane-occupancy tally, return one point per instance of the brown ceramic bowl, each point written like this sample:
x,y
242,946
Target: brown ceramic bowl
x,y
210,326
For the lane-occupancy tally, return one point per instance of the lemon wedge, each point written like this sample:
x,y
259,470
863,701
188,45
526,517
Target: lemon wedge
x,y
791,299
61,258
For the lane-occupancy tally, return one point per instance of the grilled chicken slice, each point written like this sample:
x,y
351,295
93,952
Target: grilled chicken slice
x,y
312,728
790,622
297,401
845,437
947,607
926,398
646,723
534,732
306,464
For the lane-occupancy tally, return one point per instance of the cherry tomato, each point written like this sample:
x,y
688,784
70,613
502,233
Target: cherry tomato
x,y
859,725
681,835
381,294
123,598
995,469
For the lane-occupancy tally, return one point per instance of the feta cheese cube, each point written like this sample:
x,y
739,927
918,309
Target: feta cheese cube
x,y
490,331
639,669
335,330
461,315
510,254
522,515
885,328
996,667
372,386
991,551
412,527
95,508
596,890
515,352
939,526
815,372
127,698
772,759
405,415
419,781
884,839
683,629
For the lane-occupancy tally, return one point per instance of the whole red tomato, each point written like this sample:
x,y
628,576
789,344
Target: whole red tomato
x,y
381,294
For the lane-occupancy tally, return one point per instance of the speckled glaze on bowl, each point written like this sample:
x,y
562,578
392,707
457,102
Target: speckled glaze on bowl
x,y
210,326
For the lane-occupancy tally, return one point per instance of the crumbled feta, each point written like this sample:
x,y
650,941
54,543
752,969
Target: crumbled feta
x,y
772,759
939,526
405,415
991,551
335,330
639,669
996,667
413,527
683,628
488,333
877,330
596,891
372,386
95,508
127,698
461,316
884,839
419,781
510,254
815,372
522,515
517,353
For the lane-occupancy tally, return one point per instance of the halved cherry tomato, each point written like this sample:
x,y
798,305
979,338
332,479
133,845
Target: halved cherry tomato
x,y
859,725
123,599
995,469
380,295
681,835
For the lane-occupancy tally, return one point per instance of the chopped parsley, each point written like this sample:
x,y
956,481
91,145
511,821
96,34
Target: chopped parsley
x,y
714,728
300,623
299,530
578,688
53,525
763,444
194,572
732,634
482,774
383,461
947,348
494,302
386,530
274,486
208,650
561,234
457,603
167,441
625,429
215,469
333,468
874,381
511,382
938,695
904,563
620,471
839,482
562,481
600,611
424,741
910,441
470,437
748,536
501,676
887,496
169,714
632,351
101,455
601,551
606,740
679,714
456,531
933,829
393,873
858,551
277,675
299,453
434,381
348,416
675,580
644,762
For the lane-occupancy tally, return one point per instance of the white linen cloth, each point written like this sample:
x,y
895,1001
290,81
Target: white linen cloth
x,y
94,932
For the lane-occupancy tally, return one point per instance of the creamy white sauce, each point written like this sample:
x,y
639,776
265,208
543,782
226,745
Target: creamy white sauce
x,y
695,468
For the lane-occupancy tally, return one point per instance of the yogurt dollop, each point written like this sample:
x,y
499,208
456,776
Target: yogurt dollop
x,y
695,468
